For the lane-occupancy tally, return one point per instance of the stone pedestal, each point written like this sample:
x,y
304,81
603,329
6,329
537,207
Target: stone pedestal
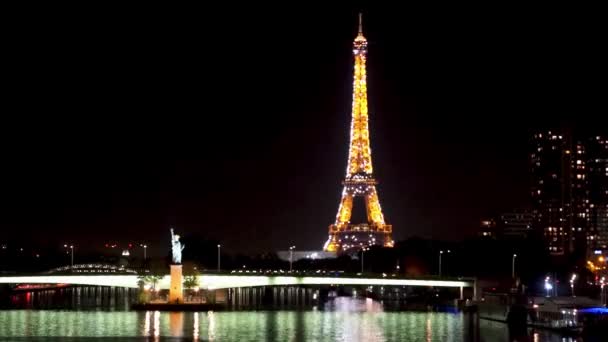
x,y
176,293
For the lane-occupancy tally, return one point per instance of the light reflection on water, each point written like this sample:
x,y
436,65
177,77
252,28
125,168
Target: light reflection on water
x,y
156,325
344,319
195,327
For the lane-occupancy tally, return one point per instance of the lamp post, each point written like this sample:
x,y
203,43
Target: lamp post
x,y
602,283
71,253
548,285
440,255
362,254
602,294
145,247
291,258
513,266
572,284
219,258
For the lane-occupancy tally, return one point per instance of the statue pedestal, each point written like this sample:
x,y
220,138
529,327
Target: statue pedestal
x,y
176,294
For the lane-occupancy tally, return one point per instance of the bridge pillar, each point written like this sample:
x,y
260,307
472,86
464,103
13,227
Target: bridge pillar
x,y
176,293
475,289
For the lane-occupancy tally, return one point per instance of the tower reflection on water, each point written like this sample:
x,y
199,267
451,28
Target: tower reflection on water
x,y
152,324
176,323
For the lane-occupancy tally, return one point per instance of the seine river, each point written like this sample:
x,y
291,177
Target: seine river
x,y
342,319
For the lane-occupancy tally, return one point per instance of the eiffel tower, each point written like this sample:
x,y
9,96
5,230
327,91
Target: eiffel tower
x,y
345,236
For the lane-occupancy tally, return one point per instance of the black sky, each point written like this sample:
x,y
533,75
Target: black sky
x,y
233,123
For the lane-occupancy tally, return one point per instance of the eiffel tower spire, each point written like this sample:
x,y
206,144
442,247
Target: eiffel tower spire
x,y
359,180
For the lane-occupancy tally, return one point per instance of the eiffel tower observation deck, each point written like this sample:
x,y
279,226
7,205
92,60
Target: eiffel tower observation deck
x,y
346,236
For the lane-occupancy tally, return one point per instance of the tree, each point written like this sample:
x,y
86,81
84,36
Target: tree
x,y
190,282
148,280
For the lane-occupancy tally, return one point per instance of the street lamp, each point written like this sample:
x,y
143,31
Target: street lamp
x,y
602,294
572,283
548,285
363,253
72,253
440,255
291,257
513,266
218,256
145,247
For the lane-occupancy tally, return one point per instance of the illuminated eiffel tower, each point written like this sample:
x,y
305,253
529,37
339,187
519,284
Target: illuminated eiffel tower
x,y
345,236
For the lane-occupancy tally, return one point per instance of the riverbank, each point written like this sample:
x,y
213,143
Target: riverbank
x,y
570,331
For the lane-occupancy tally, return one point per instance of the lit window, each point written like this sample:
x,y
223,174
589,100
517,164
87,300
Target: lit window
x,y
578,162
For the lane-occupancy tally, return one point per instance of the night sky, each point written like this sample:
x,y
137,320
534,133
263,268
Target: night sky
x,y
233,123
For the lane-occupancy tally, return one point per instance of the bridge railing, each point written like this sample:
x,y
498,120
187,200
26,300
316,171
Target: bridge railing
x,y
216,280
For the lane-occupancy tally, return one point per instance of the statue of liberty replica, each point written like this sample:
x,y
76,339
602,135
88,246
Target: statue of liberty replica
x,y
176,293
176,248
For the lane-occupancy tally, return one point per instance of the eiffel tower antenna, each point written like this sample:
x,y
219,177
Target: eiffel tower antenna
x,y
360,23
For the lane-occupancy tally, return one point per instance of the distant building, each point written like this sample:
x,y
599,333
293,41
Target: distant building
x,y
597,175
487,228
579,199
550,161
569,191
311,255
516,224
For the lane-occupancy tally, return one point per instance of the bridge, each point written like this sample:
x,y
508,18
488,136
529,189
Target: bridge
x,y
223,281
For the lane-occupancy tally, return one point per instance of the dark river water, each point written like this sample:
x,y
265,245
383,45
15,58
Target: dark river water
x,y
341,319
